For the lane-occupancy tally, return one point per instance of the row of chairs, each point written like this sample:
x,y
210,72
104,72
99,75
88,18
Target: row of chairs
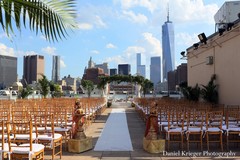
x,y
182,121
51,121
26,139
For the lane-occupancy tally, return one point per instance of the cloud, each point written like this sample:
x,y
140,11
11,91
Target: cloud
x,y
49,50
197,11
7,51
92,16
152,44
148,45
99,22
95,52
129,54
62,63
43,37
181,11
186,39
150,5
85,26
110,45
135,18
91,23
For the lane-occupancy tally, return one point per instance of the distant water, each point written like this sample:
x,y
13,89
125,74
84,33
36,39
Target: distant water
x,y
112,96
125,96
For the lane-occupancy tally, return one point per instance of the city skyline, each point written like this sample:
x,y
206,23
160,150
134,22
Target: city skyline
x,y
114,31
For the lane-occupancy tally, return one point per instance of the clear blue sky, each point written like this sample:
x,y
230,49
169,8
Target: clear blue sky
x,y
114,31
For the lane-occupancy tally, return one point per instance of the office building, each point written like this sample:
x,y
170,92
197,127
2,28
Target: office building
x,y
168,48
70,84
8,71
155,70
103,66
113,71
93,74
176,77
141,69
33,68
56,69
124,69
181,73
172,80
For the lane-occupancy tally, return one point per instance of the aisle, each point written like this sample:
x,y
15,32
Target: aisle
x,y
115,135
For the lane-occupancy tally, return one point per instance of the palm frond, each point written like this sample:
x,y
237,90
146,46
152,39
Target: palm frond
x,y
50,17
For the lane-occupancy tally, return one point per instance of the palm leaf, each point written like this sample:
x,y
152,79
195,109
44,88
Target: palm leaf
x,y
50,17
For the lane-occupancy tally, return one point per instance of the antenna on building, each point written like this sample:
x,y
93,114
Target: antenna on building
x,y
168,12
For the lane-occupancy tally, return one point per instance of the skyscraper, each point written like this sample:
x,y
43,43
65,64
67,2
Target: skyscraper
x,y
155,70
124,69
8,71
168,48
113,71
139,62
56,69
141,69
33,68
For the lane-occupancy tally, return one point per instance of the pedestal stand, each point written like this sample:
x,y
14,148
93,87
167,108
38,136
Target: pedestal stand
x,y
154,146
78,146
80,141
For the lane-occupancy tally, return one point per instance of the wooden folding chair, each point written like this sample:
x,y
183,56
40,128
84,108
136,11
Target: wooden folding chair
x,y
232,127
61,125
4,145
214,130
51,140
194,131
175,129
26,149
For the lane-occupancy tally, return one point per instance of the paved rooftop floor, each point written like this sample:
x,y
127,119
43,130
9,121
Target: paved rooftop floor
x,y
136,130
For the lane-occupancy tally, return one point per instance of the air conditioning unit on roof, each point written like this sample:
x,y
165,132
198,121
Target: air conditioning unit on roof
x,y
228,13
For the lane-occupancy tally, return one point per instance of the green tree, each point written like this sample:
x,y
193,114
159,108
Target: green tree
x,y
44,86
55,89
50,17
190,93
25,92
88,86
209,92
147,86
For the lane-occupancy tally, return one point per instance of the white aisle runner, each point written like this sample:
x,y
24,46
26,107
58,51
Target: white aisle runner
x,y
115,135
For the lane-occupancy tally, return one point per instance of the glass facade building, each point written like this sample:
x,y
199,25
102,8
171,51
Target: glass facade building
x,y
56,69
168,48
124,69
8,71
113,71
141,69
155,70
